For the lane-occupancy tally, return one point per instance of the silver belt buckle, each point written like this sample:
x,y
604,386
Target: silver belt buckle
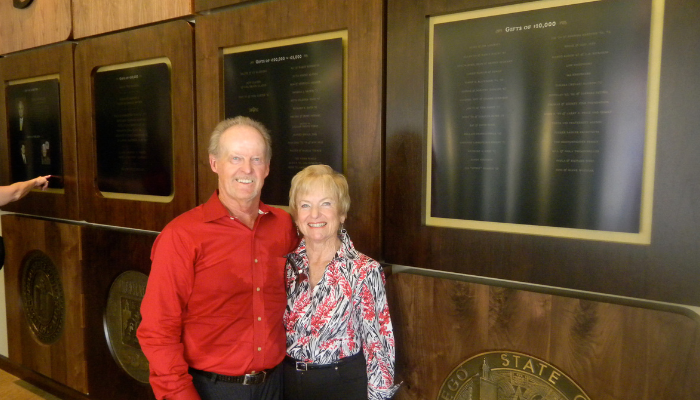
x,y
250,379
301,366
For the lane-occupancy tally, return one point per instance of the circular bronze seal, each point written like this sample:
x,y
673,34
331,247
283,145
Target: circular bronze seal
x,y
42,297
500,375
121,319
21,3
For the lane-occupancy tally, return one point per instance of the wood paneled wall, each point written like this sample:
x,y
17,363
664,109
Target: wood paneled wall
x,y
42,22
612,351
53,60
665,270
63,361
173,40
93,17
266,21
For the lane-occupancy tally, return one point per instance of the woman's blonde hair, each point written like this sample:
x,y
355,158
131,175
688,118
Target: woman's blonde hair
x,y
331,181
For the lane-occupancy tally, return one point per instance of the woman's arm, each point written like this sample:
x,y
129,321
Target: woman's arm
x,y
18,190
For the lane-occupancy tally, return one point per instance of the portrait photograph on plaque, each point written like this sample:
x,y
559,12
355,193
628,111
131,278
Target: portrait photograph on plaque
x,y
544,121
295,87
133,130
34,129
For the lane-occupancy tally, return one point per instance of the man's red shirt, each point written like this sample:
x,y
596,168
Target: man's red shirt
x,y
215,296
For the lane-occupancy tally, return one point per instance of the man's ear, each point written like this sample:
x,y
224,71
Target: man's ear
x,y
212,163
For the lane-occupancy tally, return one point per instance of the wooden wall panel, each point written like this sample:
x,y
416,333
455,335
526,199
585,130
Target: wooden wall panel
x,y
93,17
64,360
41,62
665,270
612,351
267,21
173,40
106,254
42,22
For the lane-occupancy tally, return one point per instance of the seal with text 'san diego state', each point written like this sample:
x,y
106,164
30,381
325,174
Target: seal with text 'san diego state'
x,y
121,319
42,297
501,375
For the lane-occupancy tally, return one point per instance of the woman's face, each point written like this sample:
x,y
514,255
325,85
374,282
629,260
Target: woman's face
x,y
317,215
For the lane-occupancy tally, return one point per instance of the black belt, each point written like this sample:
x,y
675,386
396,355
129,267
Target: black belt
x,y
304,366
247,379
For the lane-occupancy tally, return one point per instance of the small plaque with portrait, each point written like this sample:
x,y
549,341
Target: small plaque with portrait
x,y
34,128
295,88
133,123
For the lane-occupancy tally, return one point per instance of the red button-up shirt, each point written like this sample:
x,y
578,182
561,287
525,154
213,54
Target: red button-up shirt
x,y
215,296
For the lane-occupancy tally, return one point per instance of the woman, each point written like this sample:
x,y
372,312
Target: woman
x,y
340,342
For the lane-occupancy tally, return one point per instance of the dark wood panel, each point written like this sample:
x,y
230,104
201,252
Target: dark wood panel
x,y
43,22
40,381
106,254
665,270
63,360
612,351
173,40
54,60
364,23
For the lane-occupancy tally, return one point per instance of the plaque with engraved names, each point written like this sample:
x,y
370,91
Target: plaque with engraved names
x,y
541,118
42,297
295,88
34,129
133,123
121,319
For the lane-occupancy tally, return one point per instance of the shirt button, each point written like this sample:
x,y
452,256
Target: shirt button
x,y
259,348
259,319
258,289
256,260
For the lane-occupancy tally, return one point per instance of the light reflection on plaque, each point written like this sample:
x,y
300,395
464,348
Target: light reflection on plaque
x,y
295,88
540,119
34,127
133,129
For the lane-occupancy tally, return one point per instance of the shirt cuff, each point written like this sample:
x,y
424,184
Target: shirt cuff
x,y
382,394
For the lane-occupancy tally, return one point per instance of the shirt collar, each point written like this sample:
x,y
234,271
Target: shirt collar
x,y
214,209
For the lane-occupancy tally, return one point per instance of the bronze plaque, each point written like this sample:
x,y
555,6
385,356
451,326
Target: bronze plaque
x,y
121,319
133,128
295,88
501,375
42,297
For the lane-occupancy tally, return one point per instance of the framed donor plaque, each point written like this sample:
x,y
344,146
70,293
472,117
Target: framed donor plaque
x,y
134,130
544,121
34,130
295,87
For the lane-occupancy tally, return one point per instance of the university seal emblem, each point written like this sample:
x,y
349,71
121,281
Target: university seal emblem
x,y
42,297
121,319
501,375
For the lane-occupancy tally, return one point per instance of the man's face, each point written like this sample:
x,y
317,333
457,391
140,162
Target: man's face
x,y
20,109
241,165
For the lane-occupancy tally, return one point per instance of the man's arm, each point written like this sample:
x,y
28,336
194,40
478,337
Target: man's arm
x,y
18,190
169,286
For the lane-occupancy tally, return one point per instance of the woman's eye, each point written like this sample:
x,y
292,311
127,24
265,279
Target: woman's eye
x,y
305,206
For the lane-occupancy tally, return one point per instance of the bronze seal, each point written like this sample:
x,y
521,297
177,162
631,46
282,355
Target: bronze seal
x,y
42,297
501,375
21,3
121,319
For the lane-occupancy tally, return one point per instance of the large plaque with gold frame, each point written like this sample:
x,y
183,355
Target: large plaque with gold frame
x,y
133,123
295,88
542,118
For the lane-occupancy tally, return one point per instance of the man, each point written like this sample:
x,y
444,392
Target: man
x,y
212,312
